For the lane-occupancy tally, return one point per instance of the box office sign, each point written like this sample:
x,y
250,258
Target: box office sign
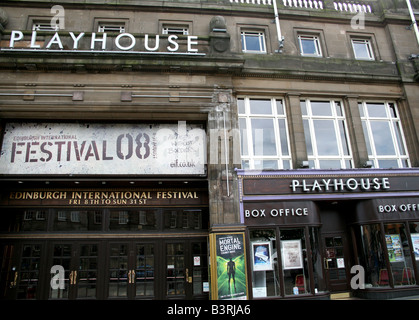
x,y
105,149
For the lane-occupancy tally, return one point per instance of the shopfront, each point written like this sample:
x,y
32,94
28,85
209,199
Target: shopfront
x,y
104,211
307,230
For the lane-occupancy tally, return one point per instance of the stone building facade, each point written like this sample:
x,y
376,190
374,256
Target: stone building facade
x,y
144,139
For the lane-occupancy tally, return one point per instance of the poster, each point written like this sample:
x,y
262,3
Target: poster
x,y
262,256
394,247
292,257
415,242
231,266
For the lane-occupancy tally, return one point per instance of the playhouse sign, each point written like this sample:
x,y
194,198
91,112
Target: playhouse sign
x,y
101,42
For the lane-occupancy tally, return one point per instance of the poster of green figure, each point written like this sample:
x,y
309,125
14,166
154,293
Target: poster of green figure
x,y
231,266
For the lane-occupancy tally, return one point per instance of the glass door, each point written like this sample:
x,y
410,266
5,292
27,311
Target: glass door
x,y
186,270
336,262
79,264
131,270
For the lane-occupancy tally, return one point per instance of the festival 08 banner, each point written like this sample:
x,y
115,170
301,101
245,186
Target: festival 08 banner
x,y
230,261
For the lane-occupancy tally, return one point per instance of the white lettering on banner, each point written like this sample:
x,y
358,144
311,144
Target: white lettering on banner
x,y
404,207
98,148
350,184
150,43
287,212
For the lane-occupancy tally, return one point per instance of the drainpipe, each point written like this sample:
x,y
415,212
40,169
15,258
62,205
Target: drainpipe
x,y
278,28
412,16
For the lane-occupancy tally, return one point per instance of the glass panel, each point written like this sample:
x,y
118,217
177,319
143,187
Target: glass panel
x,y
87,274
185,219
414,237
66,220
361,109
325,137
338,109
253,42
344,140
32,220
399,255
280,108
283,137
200,269
118,270
241,106
400,143
144,270
321,108
387,164
62,257
265,280
309,45
264,142
307,136
361,49
376,110
29,272
294,261
266,164
260,106
175,269
330,164
372,255
317,260
133,220
383,140
303,106
243,137
367,137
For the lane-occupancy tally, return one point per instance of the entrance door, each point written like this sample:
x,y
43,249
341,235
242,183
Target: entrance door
x,y
336,262
186,270
131,271
80,262
160,269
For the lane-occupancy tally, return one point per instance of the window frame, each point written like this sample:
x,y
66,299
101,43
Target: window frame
x,y
250,158
314,158
368,45
261,34
180,30
317,45
393,121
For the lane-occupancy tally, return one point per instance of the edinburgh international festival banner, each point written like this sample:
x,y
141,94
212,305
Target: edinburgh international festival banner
x,y
231,266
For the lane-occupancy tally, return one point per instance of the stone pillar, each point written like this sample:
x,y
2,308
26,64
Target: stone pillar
x,y
356,132
297,138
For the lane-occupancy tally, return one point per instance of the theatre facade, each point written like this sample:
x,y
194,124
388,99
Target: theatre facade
x,y
195,150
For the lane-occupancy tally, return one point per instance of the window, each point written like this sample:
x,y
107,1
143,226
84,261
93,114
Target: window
x,y
309,46
253,42
111,27
326,135
178,30
264,134
362,49
384,135
45,26
282,263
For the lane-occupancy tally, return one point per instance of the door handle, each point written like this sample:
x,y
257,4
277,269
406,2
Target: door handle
x,y
188,278
73,277
326,264
131,276
13,283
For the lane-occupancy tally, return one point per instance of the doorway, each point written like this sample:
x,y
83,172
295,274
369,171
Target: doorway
x,y
336,262
106,269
